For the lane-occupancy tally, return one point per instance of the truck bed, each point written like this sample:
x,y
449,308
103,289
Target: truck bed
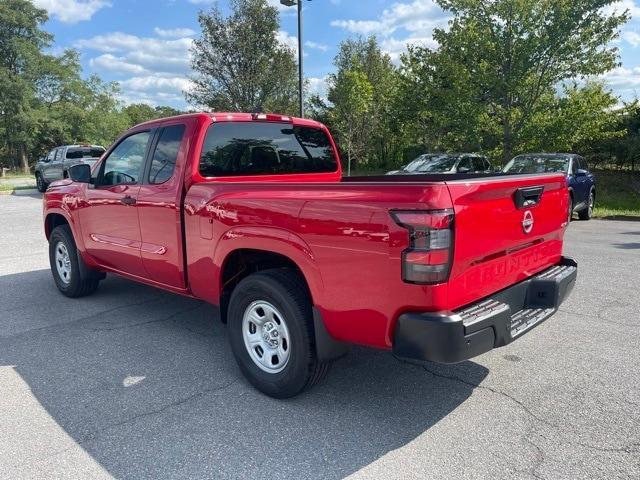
x,y
349,247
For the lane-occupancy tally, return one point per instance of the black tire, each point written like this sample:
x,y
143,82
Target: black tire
x,y
40,183
77,283
587,212
570,209
285,290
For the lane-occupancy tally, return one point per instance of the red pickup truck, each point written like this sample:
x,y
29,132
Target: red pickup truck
x,y
250,213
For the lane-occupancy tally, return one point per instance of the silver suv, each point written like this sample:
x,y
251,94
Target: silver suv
x,y
55,165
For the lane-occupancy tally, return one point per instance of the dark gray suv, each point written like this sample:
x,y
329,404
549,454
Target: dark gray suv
x,y
55,165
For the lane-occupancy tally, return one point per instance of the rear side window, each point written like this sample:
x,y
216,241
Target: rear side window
x,y
84,152
252,148
165,155
479,164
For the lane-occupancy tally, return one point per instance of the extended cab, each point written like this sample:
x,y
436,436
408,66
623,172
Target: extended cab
x,y
250,213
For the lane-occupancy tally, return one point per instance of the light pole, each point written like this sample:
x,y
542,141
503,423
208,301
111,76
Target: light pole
x,y
291,3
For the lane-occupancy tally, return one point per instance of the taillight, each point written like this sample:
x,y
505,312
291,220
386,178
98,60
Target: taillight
x,y
428,257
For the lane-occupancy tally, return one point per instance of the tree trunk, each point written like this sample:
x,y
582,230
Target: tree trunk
x,y
24,161
507,146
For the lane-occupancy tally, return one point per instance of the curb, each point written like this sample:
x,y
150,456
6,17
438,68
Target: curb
x,y
21,191
626,218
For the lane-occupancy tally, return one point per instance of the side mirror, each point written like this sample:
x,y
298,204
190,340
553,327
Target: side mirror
x,y
464,169
581,173
80,173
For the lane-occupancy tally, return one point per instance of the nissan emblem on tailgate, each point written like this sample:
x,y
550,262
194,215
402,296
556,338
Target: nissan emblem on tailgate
x,y
527,221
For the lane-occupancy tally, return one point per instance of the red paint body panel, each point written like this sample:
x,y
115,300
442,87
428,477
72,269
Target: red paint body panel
x,y
340,234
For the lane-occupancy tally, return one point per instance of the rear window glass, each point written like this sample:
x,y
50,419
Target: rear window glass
x,y
84,152
252,148
537,164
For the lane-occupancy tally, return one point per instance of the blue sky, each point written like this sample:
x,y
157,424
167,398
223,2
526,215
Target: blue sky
x,y
144,44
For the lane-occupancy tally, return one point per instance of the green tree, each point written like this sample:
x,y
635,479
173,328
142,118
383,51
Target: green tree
x,y
141,112
240,65
579,120
21,64
513,52
437,105
352,96
366,80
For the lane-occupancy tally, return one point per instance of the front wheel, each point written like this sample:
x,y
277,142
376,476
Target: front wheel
x,y
587,213
40,183
570,213
65,265
271,333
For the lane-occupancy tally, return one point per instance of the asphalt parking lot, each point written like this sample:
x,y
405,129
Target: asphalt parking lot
x,y
133,382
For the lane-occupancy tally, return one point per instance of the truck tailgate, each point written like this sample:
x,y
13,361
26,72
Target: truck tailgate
x,y
506,229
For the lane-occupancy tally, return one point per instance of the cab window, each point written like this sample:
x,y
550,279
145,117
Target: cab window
x,y
124,163
255,148
164,158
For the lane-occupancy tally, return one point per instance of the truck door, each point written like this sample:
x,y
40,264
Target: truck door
x,y
160,206
54,168
110,224
46,168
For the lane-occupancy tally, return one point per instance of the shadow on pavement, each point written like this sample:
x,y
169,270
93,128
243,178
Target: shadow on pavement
x,y
145,383
27,193
627,246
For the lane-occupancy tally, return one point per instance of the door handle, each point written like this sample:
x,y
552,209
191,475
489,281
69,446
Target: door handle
x,y
527,197
128,200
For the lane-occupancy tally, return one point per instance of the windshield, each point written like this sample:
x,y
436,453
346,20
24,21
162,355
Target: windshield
x,y
537,164
84,152
416,163
441,163
431,163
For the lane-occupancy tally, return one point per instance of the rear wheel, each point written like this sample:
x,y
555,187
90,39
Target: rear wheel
x,y
40,183
587,213
71,278
570,213
271,333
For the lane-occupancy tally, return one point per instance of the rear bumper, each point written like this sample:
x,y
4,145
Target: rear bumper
x,y
494,321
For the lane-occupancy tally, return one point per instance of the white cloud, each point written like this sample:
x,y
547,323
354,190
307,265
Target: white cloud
x,y
394,47
317,86
174,32
290,41
155,54
111,63
318,46
72,11
282,8
155,83
273,3
151,70
632,38
416,16
623,80
363,27
400,25
620,6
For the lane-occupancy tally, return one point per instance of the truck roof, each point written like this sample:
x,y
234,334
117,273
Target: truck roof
x,y
241,117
